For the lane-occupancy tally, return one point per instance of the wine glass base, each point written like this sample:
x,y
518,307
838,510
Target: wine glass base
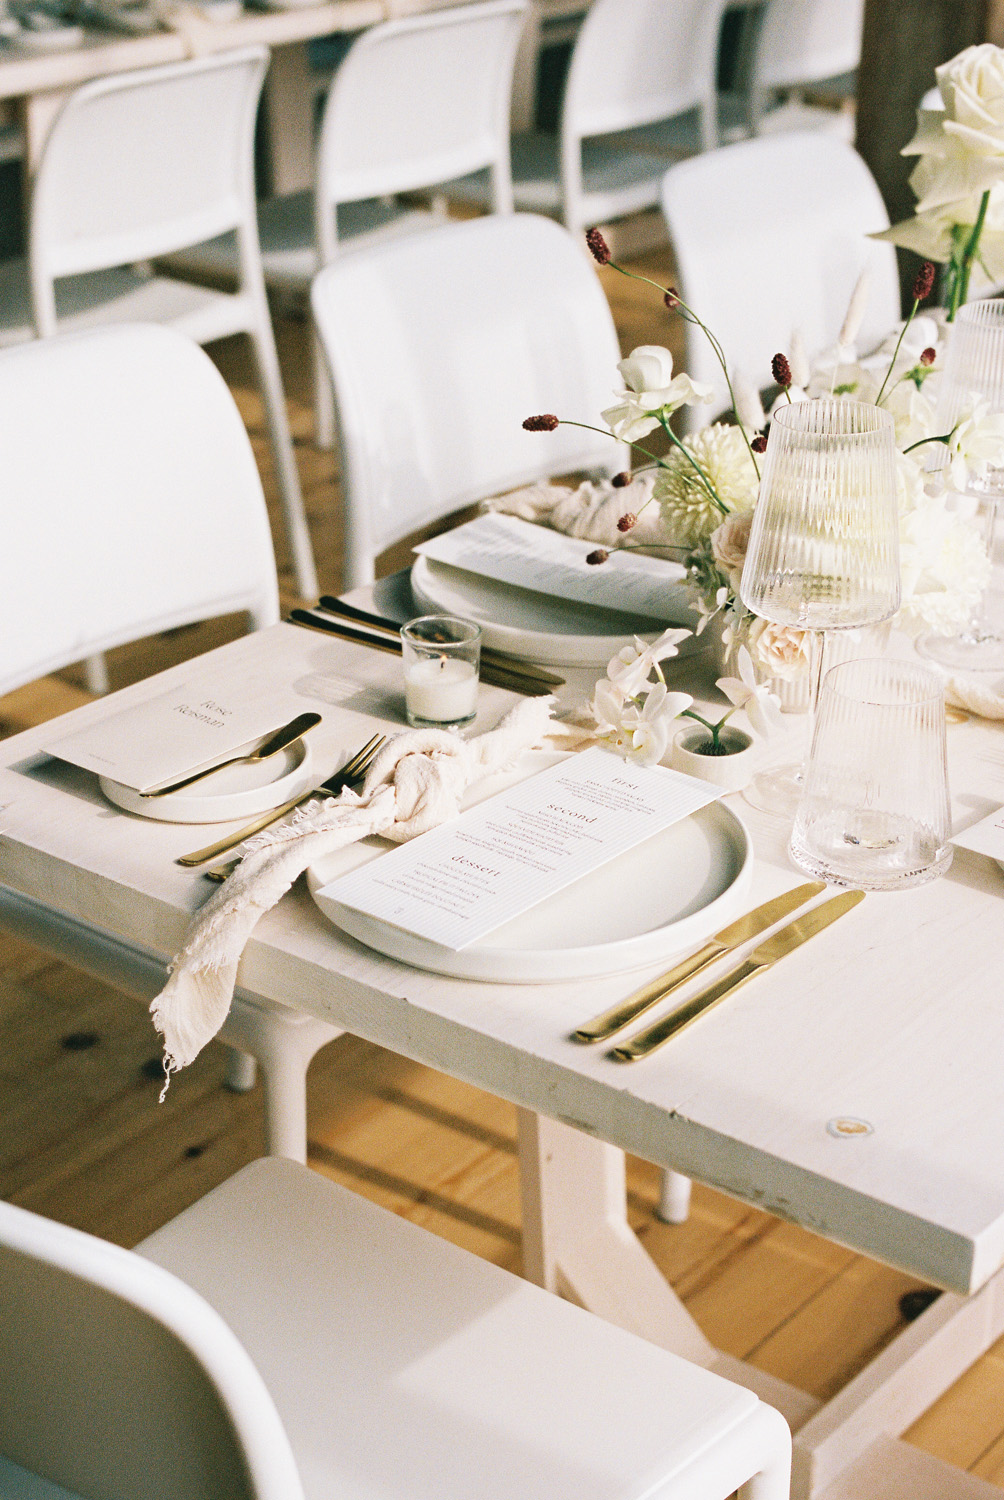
x,y
973,651
776,791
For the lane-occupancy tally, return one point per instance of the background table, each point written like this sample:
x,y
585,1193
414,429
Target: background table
x,y
893,1016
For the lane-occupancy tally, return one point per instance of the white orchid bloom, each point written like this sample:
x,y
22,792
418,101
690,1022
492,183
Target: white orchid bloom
x,y
607,706
708,611
976,445
651,390
648,729
631,668
763,708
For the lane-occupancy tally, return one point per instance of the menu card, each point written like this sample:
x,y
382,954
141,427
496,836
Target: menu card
x,y
460,881
984,837
205,720
535,557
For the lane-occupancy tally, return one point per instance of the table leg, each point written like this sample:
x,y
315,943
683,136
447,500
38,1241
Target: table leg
x,y
290,87
577,1242
37,112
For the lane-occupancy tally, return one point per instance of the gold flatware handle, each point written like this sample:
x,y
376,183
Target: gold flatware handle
x,y
654,1036
281,739
231,840
636,1004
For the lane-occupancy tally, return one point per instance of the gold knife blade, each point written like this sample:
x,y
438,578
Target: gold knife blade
x,y
734,936
767,954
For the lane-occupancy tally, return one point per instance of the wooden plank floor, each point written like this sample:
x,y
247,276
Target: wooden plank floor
x,y
85,1141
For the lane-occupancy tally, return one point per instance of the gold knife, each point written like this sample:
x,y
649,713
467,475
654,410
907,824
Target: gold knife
x,y
763,957
732,937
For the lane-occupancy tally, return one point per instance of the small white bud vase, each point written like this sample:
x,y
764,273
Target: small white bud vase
x,y
731,771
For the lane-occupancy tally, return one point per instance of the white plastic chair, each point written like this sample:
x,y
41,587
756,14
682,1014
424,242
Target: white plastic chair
x,y
130,503
635,63
438,349
795,44
770,235
415,102
136,165
286,1338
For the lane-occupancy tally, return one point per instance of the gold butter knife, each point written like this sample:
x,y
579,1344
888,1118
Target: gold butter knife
x,y
762,958
732,937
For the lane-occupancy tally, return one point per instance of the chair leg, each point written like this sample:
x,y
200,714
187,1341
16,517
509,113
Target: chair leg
x,y
294,515
242,1071
674,1198
324,400
285,1080
96,675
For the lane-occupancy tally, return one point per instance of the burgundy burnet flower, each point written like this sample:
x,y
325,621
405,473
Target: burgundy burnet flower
x,y
671,297
598,246
546,422
627,521
759,443
923,286
781,370
928,356
599,556
621,479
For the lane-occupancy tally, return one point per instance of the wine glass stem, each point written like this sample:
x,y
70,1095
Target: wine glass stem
x,y
818,653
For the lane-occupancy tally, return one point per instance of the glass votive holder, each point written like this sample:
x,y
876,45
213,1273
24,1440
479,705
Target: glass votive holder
x,y
441,661
874,810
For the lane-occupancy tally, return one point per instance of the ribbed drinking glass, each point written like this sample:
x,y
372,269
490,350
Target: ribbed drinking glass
x,y
973,375
823,552
874,811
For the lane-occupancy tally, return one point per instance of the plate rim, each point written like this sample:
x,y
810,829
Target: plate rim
x,y
302,772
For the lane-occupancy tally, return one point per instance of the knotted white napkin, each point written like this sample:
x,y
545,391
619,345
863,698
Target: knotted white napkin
x,y
592,511
976,696
416,782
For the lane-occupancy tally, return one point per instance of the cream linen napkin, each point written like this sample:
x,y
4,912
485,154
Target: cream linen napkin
x,y
416,782
591,511
976,696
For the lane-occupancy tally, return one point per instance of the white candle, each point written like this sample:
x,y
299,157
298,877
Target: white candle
x,y
441,691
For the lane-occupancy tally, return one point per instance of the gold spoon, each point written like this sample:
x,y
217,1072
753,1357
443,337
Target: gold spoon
x,y
281,740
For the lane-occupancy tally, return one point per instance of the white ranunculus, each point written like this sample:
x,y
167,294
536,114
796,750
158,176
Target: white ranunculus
x,y
781,651
652,389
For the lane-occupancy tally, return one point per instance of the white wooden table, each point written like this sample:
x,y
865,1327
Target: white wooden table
x,y
893,1016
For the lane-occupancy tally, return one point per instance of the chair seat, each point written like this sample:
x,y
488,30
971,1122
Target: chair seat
x,y
403,1366
286,233
121,295
18,1484
794,114
620,174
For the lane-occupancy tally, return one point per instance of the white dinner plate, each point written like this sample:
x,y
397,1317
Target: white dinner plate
x,y
539,627
232,792
652,902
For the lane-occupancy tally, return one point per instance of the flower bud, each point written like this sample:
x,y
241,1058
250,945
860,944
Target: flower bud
x,y
671,297
599,556
781,370
545,423
627,521
759,444
598,246
923,286
928,356
621,479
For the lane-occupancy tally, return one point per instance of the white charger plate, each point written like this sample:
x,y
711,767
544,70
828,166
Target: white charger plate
x,y
539,627
656,900
232,792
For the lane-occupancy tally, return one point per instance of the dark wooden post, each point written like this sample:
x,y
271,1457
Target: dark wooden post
x,y
903,43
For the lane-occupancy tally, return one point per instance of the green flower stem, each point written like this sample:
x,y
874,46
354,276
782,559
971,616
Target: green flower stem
x,y
895,352
713,495
713,729
960,288
658,463
943,437
719,352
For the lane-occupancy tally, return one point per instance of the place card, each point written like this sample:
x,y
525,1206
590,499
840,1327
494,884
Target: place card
x,y
984,837
460,881
204,720
535,557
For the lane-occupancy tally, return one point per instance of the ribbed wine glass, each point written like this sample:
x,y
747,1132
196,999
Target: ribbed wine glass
x,y
823,552
973,374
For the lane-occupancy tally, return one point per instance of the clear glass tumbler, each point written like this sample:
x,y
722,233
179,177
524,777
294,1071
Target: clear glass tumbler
x,y
874,810
441,665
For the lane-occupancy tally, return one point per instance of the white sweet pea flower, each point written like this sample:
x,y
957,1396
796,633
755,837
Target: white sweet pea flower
x,y
976,444
763,709
631,667
652,389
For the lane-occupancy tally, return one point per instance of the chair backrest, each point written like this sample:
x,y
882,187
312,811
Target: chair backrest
x,y
121,1383
139,164
417,102
129,496
638,61
438,348
770,235
805,41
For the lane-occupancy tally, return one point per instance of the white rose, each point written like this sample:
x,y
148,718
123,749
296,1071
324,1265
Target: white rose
x,y
647,368
972,86
780,650
652,389
730,540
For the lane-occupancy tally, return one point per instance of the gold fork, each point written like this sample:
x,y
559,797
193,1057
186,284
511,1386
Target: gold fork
x,y
353,770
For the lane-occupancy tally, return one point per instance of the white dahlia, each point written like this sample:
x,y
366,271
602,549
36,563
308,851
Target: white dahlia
x,y
688,512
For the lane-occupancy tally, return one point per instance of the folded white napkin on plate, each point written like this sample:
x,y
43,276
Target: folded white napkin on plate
x,y
591,511
976,696
416,782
